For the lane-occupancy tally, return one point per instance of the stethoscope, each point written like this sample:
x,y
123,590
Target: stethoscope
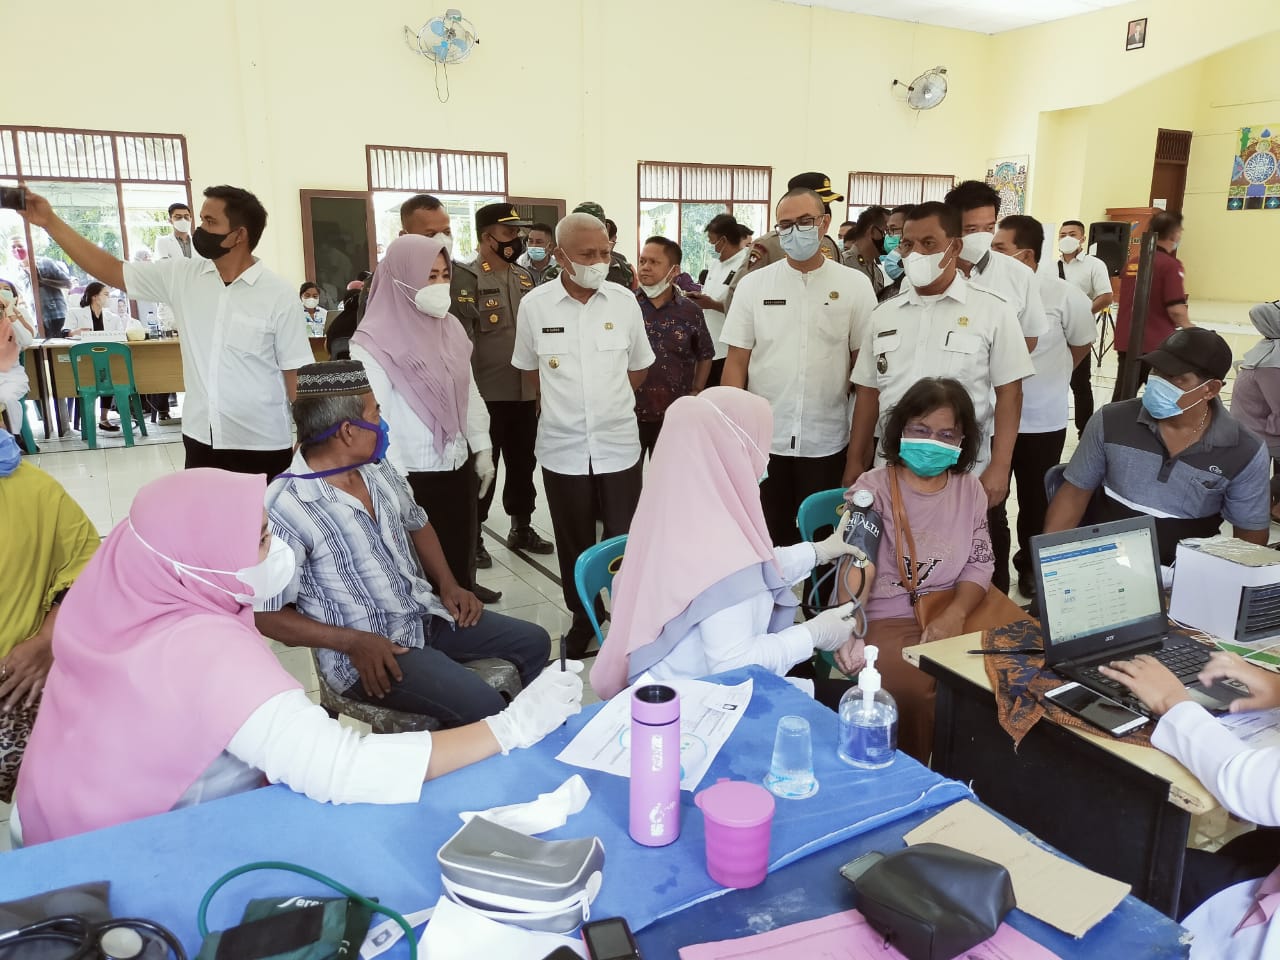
x,y
110,940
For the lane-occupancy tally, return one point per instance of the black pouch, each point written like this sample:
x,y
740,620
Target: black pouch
x,y
931,902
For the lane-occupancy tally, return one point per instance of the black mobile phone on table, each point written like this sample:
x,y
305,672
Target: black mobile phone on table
x,y
562,953
610,940
13,198
1103,712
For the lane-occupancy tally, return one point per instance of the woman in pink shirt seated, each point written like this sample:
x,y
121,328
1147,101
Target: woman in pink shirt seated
x,y
163,694
931,443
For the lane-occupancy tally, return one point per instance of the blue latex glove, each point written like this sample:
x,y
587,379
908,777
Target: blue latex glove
x,y
892,264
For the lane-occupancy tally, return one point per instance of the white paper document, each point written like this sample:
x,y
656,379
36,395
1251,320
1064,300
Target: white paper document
x,y
709,713
1257,728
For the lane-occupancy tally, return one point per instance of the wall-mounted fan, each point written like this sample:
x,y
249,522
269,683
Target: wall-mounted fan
x,y
927,90
443,40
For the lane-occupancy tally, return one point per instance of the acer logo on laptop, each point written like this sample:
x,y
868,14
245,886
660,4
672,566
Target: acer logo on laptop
x,y
1109,637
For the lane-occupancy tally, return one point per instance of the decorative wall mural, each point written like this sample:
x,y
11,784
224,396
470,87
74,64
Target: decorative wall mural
x,y
1008,177
1255,171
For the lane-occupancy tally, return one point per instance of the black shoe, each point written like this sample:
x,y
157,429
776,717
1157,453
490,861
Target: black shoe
x,y
483,560
485,595
109,427
524,537
577,640
1026,585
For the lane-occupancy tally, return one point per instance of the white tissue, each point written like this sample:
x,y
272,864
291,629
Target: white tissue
x,y
549,811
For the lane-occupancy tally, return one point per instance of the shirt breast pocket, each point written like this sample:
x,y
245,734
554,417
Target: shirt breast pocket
x,y
886,349
246,334
552,342
611,338
964,354
833,325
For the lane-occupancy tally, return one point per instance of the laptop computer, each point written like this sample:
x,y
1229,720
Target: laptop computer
x,y
1101,600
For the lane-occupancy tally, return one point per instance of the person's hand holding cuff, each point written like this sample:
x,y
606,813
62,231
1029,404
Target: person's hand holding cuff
x,y
485,470
831,628
834,546
540,708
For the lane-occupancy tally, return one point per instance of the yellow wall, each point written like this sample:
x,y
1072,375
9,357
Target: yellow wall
x,y
283,95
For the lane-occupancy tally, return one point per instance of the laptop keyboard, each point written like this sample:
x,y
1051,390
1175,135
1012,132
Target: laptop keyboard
x,y
1184,661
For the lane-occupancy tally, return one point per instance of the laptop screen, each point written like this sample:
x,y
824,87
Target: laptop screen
x,y
1099,584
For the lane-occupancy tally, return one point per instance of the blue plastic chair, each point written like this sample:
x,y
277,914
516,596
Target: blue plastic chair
x,y
128,403
594,571
818,510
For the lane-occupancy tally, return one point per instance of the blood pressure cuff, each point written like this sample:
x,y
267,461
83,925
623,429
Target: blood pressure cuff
x,y
931,902
296,928
544,885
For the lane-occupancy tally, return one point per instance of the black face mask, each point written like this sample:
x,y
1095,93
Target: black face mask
x,y
511,249
880,245
209,245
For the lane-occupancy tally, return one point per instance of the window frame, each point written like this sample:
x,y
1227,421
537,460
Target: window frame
x,y
308,246
729,202
10,133
850,205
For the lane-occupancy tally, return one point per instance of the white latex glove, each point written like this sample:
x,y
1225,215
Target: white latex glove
x,y
485,470
539,708
834,546
831,628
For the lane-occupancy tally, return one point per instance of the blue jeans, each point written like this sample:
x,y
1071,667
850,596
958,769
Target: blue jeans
x,y
438,685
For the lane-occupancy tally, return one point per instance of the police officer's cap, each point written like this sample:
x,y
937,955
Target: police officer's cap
x,y
493,214
819,183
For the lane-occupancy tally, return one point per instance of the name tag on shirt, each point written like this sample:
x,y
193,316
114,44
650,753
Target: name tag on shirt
x,y
887,333
775,303
553,329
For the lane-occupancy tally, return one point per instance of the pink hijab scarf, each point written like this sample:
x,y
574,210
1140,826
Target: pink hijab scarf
x,y
154,671
427,359
699,521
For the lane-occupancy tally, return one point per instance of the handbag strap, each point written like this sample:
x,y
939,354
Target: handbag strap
x,y
900,530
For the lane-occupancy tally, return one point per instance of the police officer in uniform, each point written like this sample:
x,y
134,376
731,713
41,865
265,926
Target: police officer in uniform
x,y
494,284
767,249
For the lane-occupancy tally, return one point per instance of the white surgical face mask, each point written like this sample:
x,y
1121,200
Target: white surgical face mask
x,y
311,302
265,580
592,276
6,295
182,225
923,269
654,290
976,245
433,299
1068,245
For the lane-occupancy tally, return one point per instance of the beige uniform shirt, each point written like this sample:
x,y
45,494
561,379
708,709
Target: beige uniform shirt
x,y
493,331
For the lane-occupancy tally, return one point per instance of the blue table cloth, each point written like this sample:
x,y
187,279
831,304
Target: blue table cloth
x,y
160,867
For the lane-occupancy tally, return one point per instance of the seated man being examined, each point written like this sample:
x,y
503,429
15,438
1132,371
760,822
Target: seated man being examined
x,y
1175,454
360,596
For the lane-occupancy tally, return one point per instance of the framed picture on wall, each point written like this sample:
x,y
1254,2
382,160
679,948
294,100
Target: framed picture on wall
x,y
1137,38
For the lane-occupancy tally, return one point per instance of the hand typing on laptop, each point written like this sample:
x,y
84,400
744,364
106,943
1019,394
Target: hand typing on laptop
x,y
1161,690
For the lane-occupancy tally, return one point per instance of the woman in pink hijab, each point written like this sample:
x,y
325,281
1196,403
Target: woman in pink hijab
x,y
702,589
418,360
163,694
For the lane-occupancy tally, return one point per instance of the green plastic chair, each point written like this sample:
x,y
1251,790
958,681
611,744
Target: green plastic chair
x,y
594,571
818,510
128,403
28,441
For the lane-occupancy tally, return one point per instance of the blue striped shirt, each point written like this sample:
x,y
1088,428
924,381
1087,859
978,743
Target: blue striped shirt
x,y
354,570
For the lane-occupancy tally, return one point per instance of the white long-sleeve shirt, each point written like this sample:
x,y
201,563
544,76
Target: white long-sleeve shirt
x,y
738,636
413,448
1246,781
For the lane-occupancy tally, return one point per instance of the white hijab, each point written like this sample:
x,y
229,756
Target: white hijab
x,y
1266,317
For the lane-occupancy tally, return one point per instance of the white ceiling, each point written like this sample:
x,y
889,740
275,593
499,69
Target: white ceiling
x,y
980,16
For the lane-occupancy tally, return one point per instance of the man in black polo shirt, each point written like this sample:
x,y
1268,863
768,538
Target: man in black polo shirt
x,y
1175,454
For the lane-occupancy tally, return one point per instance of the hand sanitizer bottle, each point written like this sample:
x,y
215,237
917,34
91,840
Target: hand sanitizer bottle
x,y
868,720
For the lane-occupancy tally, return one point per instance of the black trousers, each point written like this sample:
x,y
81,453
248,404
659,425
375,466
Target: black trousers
x,y
270,462
717,372
1033,456
1082,392
790,480
513,427
1001,543
577,503
1250,856
649,430
1143,370
449,497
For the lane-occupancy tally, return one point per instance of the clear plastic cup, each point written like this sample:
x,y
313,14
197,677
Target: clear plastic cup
x,y
791,772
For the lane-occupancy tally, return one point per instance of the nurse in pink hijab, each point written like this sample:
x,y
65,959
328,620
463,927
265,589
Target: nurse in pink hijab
x,y
163,694
702,589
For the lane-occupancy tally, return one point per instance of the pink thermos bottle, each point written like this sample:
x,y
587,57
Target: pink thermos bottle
x,y
655,765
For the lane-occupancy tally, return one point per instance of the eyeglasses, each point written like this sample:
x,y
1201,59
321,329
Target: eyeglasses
x,y
918,431
784,227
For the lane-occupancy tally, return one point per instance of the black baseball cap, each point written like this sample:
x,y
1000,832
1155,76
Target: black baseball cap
x,y
1192,350
493,214
819,183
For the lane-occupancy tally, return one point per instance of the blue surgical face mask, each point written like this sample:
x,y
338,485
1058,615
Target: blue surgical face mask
x,y
1161,398
537,254
381,428
10,455
927,458
801,243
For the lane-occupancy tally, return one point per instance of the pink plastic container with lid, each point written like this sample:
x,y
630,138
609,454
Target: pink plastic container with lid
x,y
739,819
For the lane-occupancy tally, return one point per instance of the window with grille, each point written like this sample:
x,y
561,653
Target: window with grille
x,y
464,181
113,187
894,189
678,200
